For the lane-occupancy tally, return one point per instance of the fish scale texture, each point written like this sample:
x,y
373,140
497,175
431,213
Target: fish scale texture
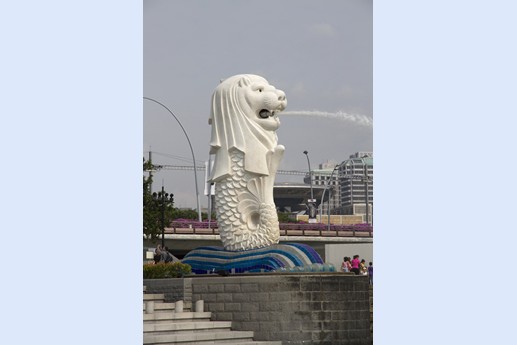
x,y
245,221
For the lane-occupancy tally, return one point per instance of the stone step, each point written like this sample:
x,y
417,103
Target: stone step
x,y
197,326
162,306
160,297
224,337
172,316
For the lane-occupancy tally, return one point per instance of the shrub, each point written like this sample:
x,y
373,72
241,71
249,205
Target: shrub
x,y
166,270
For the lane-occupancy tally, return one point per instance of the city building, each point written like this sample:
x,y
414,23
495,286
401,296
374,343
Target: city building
x,y
348,186
356,184
326,177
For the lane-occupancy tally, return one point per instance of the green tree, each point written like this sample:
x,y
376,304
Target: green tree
x,y
191,214
286,217
152,215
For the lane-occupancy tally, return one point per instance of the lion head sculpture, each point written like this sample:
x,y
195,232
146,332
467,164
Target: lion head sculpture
x,y
244,117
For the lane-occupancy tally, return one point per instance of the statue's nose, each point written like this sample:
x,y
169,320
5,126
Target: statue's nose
x,y
281,95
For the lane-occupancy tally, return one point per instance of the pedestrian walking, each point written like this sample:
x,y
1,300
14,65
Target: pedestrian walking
x,y
348,264
344,266
362,268
370,273
355,264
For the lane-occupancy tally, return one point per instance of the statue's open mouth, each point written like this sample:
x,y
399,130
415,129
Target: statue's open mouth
x,y
264,113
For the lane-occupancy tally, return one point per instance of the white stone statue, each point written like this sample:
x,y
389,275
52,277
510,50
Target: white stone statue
x,y
244,141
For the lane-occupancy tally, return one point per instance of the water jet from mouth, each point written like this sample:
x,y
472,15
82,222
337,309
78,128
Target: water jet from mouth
x,y
358,119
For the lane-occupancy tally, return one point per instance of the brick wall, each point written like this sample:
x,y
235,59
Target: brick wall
x,y
296,309
308,308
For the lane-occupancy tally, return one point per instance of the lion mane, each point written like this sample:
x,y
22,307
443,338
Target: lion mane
x,y
236,126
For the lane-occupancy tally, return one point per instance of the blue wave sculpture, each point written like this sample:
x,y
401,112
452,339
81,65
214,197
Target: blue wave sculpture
x,y
289,257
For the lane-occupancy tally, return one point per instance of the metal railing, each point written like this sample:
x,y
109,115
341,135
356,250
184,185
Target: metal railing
x,y
286,229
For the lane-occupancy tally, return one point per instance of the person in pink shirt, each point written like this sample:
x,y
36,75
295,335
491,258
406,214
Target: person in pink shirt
x,y
345,265
348,264
355,264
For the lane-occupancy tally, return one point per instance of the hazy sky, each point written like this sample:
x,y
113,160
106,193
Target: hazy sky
x,y
318,52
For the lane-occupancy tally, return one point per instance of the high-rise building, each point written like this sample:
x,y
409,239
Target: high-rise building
x,y
348,186
356,184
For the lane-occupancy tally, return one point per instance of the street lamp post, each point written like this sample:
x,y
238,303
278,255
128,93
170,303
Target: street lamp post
x,y
163,199
366,179
328,200
191,150
366,198
312,207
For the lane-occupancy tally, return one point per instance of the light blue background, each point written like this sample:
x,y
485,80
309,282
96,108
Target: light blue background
x,y
444,142
71,86
71,138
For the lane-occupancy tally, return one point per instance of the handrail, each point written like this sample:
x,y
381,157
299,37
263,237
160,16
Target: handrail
x,y
289,229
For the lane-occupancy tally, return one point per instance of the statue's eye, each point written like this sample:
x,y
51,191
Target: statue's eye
x,y
258,87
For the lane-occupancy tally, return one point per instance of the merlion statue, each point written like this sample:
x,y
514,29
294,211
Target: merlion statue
x,y
244,122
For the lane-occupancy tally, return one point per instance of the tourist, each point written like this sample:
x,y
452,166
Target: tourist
x,y
362,268
355,264
157,254
166,255
344,265
370,273
348,264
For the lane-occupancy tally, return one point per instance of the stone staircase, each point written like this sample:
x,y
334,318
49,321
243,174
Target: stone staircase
x,y
168,323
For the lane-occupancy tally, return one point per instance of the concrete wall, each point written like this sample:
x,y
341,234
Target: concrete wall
x,y
318,308
334,253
